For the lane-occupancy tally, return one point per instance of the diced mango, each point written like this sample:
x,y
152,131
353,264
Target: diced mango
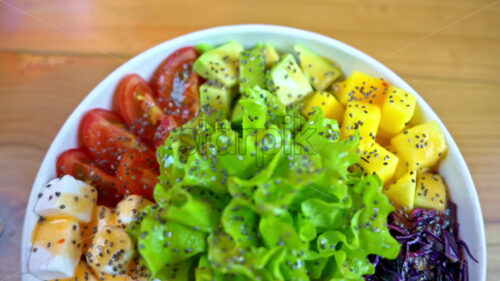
x,y
430,192
377,160
402,192
363,88
363,118
421,146
82,272
327,102
401,167
397,110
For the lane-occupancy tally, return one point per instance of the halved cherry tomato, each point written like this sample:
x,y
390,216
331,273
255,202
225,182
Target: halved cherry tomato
x,y
78,163
138,173
163,130
176,84
107,139
138,108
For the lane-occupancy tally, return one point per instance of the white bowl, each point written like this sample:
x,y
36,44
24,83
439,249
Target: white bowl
x,y
453,167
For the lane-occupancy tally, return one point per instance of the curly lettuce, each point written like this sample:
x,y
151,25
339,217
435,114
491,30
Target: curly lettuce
x,y
273,199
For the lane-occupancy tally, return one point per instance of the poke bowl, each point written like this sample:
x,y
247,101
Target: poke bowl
x,y
269,206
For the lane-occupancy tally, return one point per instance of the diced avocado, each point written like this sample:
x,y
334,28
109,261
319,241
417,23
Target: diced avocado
x,y
203,47
237,115
252,70
220,65
287,81
214,96
321,71
270,54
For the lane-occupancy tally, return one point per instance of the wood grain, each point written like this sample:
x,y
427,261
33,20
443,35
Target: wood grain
x,y
52,53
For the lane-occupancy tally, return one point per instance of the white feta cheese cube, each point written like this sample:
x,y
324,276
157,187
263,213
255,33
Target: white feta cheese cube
x,y
67,196
83,272
102,216
56,248
111,251
128,208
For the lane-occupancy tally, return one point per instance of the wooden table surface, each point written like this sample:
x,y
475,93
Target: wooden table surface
x,y
52,53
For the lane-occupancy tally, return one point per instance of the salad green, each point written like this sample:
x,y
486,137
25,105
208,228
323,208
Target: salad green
x,y
268,196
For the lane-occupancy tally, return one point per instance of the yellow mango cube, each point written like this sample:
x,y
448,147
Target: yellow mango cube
x,y
377,160
401,193
327,102
421,146
363,88
397,110
401,167
430,192
364,118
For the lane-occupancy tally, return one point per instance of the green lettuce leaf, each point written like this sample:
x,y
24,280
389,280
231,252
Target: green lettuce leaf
x,y
273,199
167,242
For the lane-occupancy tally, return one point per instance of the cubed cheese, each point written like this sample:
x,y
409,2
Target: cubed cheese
x,y
83,272
127,209
67,196
56,248
111,251
135,272
101,217
109,277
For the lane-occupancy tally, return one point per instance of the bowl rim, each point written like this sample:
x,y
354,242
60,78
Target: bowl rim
x,y
242,28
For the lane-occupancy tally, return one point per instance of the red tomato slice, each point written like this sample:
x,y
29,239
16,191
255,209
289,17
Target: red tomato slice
x,y
163,130
138,107
107,139
176,84
78,163
138,173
